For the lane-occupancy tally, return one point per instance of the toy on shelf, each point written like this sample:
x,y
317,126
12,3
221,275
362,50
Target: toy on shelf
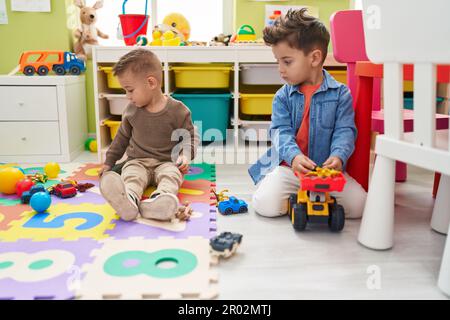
x,y
41,62
23,185
90,145
142,40
40,201
178,22
164,35
26,196
232,205
64,190
246,35
9,177
52,169
225,244
273,17
313,202
87,35
132,25
221,40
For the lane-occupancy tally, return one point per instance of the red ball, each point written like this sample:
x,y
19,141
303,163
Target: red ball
x,y
23,185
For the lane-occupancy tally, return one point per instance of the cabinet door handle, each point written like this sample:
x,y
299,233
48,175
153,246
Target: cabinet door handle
x,y
24,139
21,103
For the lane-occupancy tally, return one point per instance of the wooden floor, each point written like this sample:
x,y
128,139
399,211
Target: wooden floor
x,y
275,262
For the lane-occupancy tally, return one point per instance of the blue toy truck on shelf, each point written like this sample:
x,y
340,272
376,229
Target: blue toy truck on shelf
x,y
232,205
41,62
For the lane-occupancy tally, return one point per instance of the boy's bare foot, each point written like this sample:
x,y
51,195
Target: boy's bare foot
x,y
162,207
113,190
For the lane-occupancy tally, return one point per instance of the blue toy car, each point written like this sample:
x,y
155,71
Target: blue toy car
x,y
232,205
26,196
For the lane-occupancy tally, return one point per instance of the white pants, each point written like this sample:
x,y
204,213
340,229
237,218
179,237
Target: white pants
x,y
271,196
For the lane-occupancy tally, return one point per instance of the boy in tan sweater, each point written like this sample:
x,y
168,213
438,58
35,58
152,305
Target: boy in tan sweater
x,y
158,137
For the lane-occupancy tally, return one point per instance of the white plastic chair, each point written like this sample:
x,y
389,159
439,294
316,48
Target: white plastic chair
x,y
407,32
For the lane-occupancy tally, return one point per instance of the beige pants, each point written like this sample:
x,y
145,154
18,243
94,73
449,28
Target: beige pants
x,y
272,194
138,174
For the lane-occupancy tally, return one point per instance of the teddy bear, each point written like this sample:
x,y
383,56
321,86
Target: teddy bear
x,y
87,35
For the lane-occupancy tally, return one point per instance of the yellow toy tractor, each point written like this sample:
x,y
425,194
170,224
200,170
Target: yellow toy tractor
x,y
313,202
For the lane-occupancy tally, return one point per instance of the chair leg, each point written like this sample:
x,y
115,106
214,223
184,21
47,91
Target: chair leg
x,y
440,219
377,225
400,171
444,273
437,178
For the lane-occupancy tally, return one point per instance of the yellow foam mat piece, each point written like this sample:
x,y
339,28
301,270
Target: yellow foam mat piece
x,y
61,222
129,269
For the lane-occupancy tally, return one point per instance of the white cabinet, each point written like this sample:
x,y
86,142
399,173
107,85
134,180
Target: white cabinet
x,y
42,118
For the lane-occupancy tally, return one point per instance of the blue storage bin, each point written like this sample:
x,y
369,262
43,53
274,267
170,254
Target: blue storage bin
x,y
408,102
211,109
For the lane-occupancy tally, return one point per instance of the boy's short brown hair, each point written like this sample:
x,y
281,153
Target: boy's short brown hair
x,y
139,61
300,31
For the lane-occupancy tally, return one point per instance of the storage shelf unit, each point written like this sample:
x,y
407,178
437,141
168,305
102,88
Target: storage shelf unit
x,y
236,55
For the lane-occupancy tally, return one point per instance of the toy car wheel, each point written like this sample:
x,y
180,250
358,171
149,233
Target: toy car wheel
x,y
292,200
42,71
59,70
299,216
29,70
75,71
228,211
336,220
243,209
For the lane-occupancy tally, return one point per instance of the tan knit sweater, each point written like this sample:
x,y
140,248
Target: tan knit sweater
x,y
143,134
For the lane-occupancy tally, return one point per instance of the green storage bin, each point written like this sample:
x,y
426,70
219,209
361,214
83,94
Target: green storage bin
x,y
212,109
408,102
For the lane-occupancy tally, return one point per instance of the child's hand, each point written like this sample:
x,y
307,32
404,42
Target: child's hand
x,y
333,163
183,164
103,169
302,164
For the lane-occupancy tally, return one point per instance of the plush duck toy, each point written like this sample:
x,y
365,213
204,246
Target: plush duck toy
x,y
180,23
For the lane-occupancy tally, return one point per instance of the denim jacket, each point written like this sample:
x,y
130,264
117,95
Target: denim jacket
x,y
332,130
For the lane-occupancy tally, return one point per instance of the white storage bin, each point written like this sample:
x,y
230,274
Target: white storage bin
x,y
260,74
117,103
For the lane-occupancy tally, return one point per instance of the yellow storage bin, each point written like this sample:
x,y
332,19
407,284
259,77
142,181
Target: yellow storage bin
x,y
202,75
339,75
113,82
113,127
256,103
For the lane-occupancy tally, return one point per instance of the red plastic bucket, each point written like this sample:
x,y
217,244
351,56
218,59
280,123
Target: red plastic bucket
x,y
133,25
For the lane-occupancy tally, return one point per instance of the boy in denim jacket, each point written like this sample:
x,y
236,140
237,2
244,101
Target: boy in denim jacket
x,y
312,119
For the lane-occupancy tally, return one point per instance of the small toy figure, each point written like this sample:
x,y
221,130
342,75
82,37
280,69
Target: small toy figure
x,y
225,244
313,202
221,196
38,177
232,205
220,40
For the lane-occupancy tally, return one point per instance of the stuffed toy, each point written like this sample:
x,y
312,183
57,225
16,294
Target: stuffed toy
x,y
221,40
87,35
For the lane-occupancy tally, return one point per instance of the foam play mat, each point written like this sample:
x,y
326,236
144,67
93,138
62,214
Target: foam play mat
x,y
79,248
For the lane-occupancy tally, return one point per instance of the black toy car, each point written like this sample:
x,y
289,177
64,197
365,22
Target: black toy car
x,y
225,244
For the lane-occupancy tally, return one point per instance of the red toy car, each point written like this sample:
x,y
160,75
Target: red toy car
x,y
64,190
